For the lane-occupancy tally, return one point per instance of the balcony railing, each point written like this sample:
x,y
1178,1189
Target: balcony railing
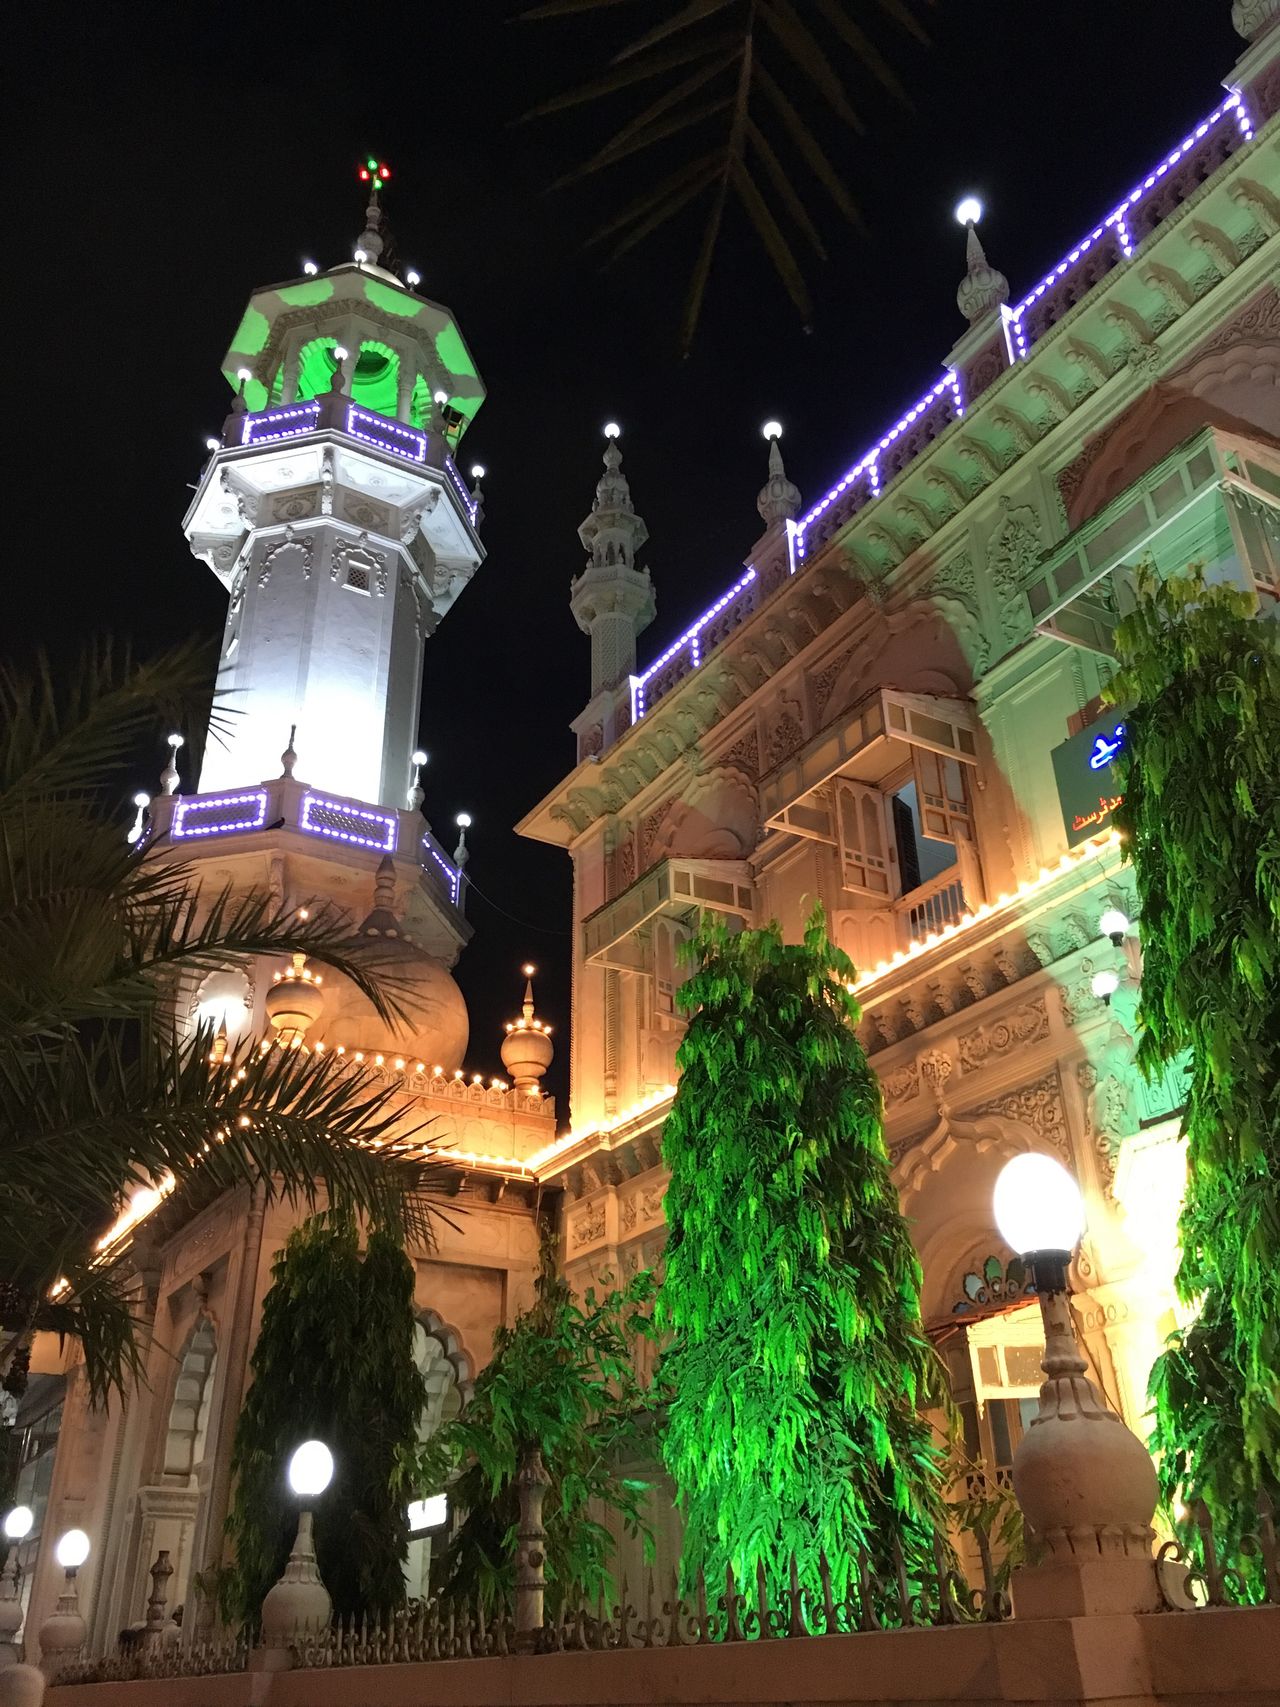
x,y
289,806
335,412
930,906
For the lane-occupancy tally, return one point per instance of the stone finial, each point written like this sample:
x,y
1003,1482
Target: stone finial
x,y
370,243
294,1000
462,853
289,758
779,498
527,1049
299,1603
382,921
169,778
1087,1488
1252,17
612,600
982,289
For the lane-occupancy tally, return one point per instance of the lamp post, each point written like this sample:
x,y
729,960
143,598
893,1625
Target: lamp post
x,y
1086,1485
17,1526
62,1635
299,1604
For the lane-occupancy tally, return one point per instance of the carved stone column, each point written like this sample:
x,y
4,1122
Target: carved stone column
x,y
161,1571
532,1484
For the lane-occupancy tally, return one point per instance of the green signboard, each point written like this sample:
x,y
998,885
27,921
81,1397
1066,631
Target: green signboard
x,y
1085,773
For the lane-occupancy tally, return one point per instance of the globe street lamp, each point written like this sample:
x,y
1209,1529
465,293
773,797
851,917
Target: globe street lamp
x,y
17,1526
62,1635
299,1604
1086,1485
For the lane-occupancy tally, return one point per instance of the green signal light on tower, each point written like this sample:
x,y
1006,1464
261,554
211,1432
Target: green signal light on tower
x,y
374,172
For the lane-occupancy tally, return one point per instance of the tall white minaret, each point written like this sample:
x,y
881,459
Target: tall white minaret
x,y
612,600
333,513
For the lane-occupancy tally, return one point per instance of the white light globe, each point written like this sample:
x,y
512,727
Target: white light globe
x,y
1114,923
212,444
141,798
969,211
340,354
360,256
1038,1206
441,397
612,429
417,757
176,741
72,1550
17,1523
1104,984
463,820
310,269
412,279
772,429
311,1469
244,374
477,471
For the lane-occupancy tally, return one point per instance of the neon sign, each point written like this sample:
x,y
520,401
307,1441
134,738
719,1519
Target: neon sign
x,y
1105,748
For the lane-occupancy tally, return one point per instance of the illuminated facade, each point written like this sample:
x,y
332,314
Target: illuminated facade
x,y
333,513
895,710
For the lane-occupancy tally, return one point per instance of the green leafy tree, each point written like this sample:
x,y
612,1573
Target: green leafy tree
x,y
1201,822
99,1092
333,1362
734,122
563,1378
798,1367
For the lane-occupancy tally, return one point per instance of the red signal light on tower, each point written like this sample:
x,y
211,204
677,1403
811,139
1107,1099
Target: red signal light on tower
x,y
374,172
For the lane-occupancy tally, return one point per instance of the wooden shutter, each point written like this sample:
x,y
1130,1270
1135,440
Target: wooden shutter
x,y
864,838
942,796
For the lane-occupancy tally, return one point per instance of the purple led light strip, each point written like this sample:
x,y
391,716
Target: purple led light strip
x,y
451,469
209,802
317,802
303,415
1117,219
688,638
452,876
869,462
415,442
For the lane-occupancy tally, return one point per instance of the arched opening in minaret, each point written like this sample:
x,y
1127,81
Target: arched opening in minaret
x,y
189,1413
316,367
376,384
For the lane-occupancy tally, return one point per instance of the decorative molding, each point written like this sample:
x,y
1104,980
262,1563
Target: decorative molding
x,y
1037,1105
1013,553
902,1084
587,1228
1025,1025
290,542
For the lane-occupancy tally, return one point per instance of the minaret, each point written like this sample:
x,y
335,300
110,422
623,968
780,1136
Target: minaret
x,y
779,498
981,355
612,600
334,515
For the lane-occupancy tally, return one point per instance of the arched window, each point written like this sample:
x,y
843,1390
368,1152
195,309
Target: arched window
x,y
438,1353
189,1413
376,382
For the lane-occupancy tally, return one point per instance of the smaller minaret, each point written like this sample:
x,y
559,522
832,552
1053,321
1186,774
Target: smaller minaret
x,y
612,600
779,498
527,1048
982,288
982,353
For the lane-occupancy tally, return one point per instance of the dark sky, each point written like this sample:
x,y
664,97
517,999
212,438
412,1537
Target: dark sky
x,y
167,159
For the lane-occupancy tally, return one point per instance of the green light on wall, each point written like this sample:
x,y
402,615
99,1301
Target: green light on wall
x,y
252,333
306,295
453,353
392,301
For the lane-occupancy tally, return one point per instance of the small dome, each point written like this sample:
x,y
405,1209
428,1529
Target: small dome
x,y
436,1026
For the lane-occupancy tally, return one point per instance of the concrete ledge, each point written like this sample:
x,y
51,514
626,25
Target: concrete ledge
x,y
1215,1658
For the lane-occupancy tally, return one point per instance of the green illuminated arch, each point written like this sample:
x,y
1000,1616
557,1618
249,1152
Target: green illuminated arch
x,y
316,367
376,384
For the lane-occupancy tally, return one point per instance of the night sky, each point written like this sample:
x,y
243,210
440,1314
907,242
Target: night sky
x,y
169,159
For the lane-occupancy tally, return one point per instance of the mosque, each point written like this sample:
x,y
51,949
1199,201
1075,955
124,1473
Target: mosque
x,y
893,707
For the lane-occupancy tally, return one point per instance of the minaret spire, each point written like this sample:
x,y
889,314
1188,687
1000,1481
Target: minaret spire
x,y
982,289
371,242
612,600
779,498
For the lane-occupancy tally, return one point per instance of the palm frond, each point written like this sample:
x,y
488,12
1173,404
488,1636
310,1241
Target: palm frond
x,y
762,118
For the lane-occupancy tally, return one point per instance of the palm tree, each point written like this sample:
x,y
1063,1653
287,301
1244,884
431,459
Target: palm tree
x,y
101,1091
722,68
